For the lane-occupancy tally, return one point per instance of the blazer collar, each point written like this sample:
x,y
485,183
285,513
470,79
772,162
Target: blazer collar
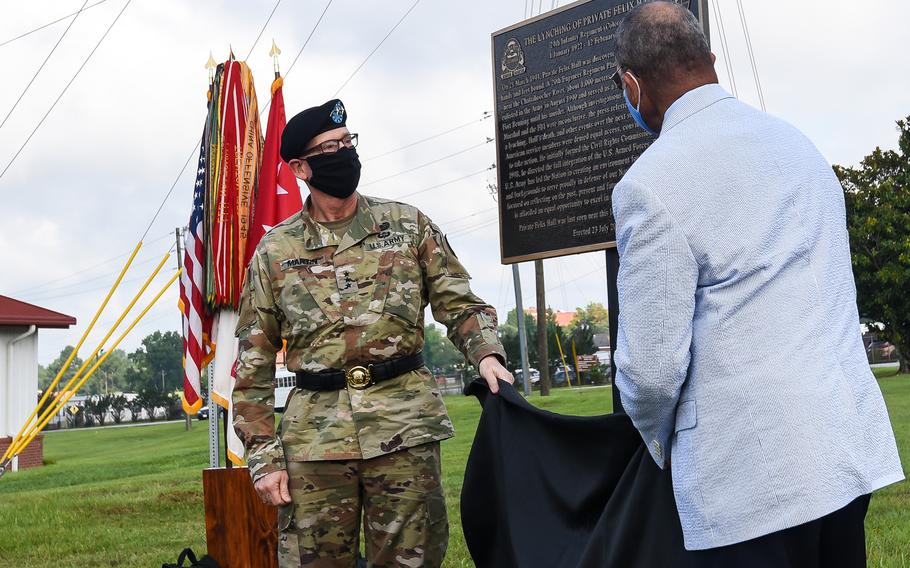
x,y
692,102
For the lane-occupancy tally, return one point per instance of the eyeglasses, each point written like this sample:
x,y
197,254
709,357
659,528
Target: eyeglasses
x,y
331,146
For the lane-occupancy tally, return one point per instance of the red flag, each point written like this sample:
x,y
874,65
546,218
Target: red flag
x,y
278,195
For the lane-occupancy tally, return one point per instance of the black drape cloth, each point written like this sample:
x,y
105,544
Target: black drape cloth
x,y
552,491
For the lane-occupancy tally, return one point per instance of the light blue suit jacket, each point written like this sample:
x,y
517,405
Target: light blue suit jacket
x,y
739,357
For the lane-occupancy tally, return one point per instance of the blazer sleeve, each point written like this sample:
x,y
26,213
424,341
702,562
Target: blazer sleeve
x,y
657,280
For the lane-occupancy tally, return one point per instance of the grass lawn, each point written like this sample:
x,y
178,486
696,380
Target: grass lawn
x,y
133,496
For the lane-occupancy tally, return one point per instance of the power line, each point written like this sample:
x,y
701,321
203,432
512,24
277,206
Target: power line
x,y
478,212
723,44
305,43
43,63
409,170
600,269
81,67
742,18
473,228
43,296
375,49
486,115
169,191
296,57
83,270
196,146
262,29
451,181
39,28
473,225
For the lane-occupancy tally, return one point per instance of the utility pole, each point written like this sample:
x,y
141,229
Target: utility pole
x,y
522,332
542,356
162,380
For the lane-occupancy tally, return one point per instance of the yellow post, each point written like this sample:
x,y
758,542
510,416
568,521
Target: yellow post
x,y
72,356
98,363
17,444
563,356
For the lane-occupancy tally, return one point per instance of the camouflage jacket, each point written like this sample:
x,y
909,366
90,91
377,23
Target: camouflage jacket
x,y
346,300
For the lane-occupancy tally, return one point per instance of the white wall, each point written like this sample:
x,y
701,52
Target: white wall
x,y
19,382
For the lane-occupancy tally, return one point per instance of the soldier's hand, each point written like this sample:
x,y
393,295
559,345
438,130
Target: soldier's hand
x,y
491,369
273,488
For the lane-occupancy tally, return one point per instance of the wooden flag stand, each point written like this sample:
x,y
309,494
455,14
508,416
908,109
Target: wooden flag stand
x,y
240,530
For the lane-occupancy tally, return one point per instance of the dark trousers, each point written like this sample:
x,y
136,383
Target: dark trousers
x,y
835,540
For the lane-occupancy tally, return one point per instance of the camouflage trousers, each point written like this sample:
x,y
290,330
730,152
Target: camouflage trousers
x,y
403,512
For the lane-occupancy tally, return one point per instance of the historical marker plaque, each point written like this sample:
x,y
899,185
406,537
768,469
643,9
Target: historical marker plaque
x,y
564,136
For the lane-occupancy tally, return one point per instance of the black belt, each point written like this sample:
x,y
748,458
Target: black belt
x,y
360,376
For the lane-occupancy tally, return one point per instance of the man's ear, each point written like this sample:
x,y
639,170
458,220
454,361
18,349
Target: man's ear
x,y
713,59
633,89
301,169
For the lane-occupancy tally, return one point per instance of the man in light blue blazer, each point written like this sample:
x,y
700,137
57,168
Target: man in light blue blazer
x,y
739,357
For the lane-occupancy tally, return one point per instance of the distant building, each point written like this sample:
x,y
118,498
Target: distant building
x,y
19,325
563,319
602,343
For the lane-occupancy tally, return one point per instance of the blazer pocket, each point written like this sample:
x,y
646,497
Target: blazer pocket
x,y
685,415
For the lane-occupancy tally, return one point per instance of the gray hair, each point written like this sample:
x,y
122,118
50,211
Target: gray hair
x,y
658,40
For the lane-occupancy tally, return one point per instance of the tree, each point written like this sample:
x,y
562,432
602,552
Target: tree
x,y
135,406
877,195
590,320
118,406
170,401
149,399
54,367
97,406
438,351
111,375
509,337
159,359
44,380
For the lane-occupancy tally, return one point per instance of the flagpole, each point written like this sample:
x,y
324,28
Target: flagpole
x,y
274,53
214,452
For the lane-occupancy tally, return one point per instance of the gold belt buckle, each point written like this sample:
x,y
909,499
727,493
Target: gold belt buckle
x,y
358,377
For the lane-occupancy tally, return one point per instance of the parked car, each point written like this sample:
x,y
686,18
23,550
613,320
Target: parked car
x,y
519,380
559,377
203,413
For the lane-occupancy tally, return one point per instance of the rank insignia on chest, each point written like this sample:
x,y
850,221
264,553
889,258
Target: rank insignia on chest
x,y
298,262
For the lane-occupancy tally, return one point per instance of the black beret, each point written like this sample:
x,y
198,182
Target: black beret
x,y
308,124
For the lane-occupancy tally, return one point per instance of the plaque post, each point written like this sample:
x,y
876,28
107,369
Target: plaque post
x,y
522,332
612,255
543,358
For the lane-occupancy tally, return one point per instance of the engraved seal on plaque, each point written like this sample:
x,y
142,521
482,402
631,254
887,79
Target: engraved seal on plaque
x,y
513,60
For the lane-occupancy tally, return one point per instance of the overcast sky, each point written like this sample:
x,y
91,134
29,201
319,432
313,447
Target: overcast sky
x,y
81,193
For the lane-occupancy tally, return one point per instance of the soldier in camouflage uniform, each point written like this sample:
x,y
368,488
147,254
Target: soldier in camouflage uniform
x,y
345,283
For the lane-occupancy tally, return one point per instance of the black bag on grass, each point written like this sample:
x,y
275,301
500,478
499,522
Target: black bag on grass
x,y
187,554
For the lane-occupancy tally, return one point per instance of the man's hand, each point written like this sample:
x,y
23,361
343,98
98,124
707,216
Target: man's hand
x,y
491,369
273,488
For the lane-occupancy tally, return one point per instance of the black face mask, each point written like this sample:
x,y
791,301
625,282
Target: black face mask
x,y
336,174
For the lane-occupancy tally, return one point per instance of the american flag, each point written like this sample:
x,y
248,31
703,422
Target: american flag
x,y
195,321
